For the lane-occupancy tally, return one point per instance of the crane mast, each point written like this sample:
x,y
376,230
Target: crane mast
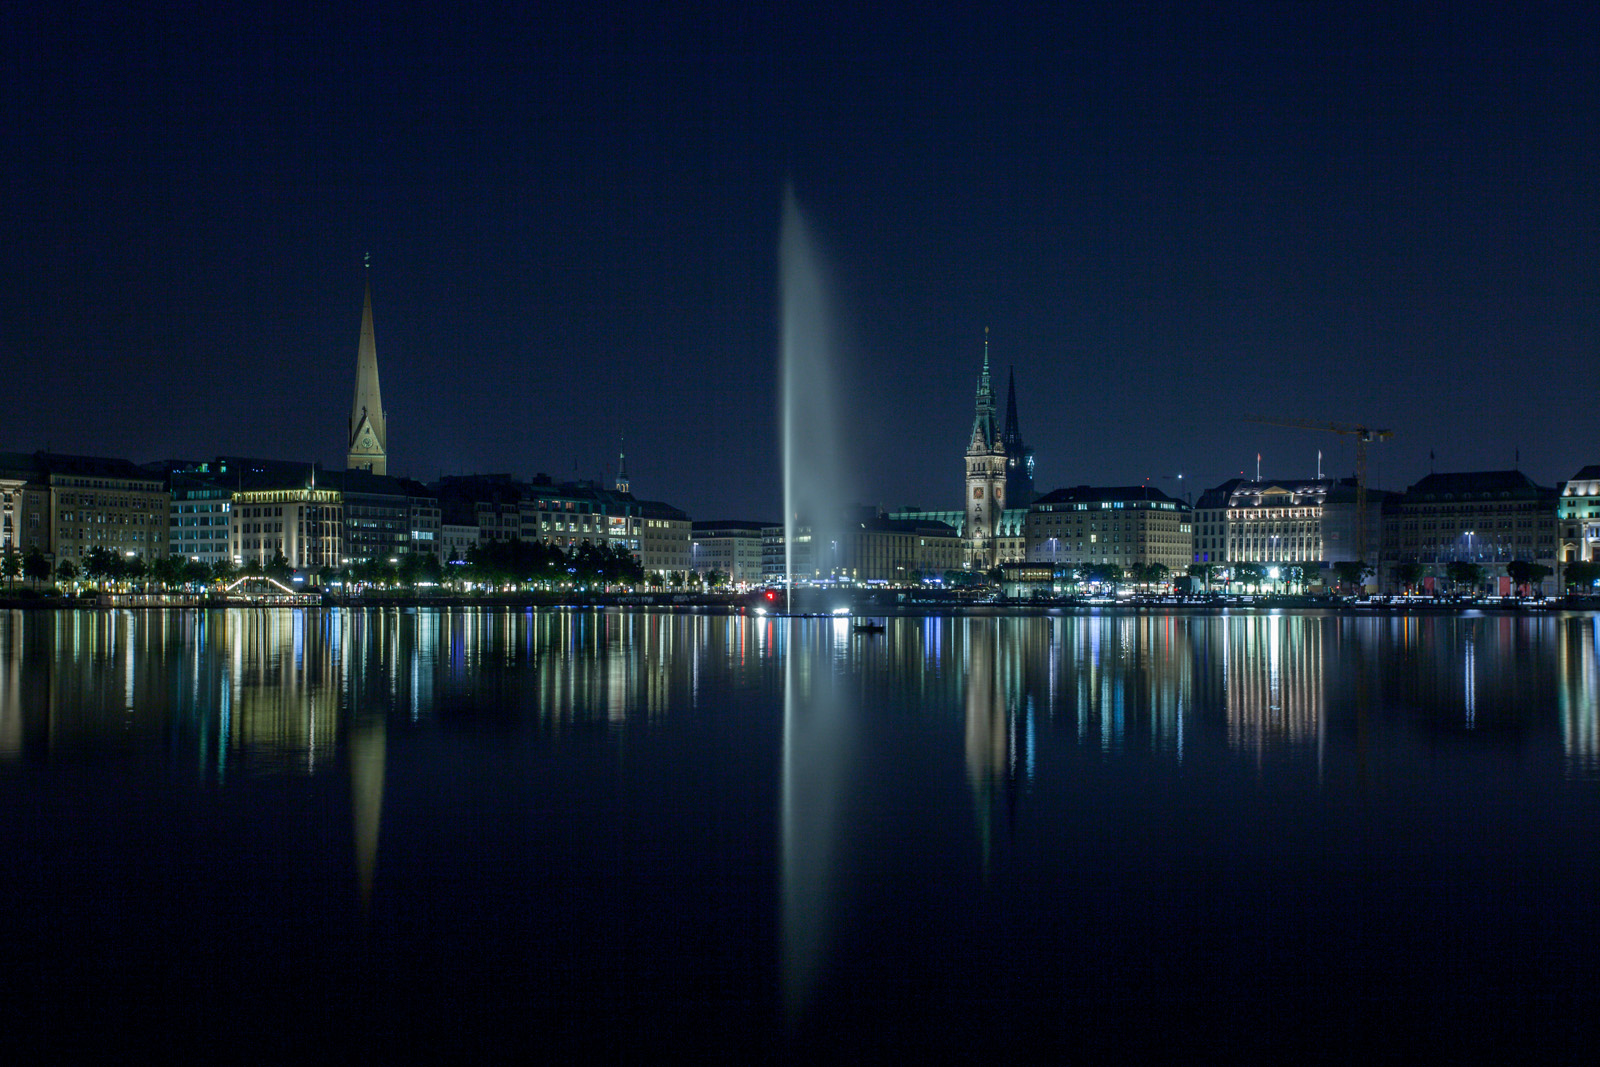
x,y
1364,436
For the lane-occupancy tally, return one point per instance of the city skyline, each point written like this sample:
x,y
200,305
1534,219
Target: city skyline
x,y
1167,219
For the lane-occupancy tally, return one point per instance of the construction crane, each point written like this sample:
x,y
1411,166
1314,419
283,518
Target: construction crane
x,y
1363,435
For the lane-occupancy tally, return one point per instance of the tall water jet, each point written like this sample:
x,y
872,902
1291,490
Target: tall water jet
x,y
818,732
814,470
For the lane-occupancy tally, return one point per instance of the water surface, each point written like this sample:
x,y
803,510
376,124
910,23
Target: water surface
x,y
314,833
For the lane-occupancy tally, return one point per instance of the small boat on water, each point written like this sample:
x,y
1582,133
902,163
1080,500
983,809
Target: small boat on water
x,y
868,627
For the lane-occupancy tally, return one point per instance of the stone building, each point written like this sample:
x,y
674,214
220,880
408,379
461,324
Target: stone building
x,y
729,547
1485,517
1578,513
1121,525
67,506
274,513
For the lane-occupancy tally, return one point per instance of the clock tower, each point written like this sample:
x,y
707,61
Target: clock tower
x,y
986,475
369,441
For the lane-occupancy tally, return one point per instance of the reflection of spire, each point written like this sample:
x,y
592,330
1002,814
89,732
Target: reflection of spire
x,y
367,743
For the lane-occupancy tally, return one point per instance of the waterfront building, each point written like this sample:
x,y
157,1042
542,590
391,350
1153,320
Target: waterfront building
x,y
1125,526
899,551
1009,542
1578,513
384,517
275,513
202,502
773,562
666,541
1306,521
730,547
67,506
24,506
1309,522
1211,522
368,448
565,515
1489,518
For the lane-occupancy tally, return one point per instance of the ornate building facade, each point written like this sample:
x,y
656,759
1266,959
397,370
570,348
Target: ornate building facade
x,y
986,468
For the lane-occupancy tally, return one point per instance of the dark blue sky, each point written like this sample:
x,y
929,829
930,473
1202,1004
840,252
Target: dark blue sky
x,y
1168,216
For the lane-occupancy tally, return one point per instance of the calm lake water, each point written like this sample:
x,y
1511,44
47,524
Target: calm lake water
x,y
309,834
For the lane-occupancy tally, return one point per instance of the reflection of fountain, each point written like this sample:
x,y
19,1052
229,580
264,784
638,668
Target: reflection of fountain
x,y
813,451
817,753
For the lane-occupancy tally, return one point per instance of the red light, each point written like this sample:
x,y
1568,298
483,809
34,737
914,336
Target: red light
x,y
771,595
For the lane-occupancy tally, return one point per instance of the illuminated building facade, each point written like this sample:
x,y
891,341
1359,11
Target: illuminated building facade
x,y
304,523
666,541
1118,525
1307,521
197,527
1009,541
898,551
986,467
384,517
1578,513
68,506
731,548
24,506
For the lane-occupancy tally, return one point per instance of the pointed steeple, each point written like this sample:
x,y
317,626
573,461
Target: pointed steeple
x,y
369,438
622,470
1013,434
984,432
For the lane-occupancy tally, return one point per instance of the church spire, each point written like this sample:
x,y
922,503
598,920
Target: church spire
x,y
1013,435
622,468
984,433
369,438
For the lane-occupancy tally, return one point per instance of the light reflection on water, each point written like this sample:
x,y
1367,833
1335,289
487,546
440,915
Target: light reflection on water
x,y
913,772
270,689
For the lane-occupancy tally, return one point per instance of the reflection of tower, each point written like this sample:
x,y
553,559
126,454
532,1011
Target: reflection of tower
x,y
369,437
991,741
986,474
367,744
988,743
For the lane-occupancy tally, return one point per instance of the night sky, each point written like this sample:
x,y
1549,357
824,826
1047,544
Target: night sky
x,y
1168,218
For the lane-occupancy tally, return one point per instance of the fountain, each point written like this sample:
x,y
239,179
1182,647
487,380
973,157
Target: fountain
x,y
818,715
814,472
